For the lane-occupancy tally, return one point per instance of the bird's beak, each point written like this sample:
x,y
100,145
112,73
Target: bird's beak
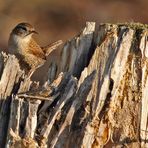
x,y
33,31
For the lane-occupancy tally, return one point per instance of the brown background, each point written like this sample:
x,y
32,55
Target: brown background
x,y
62,19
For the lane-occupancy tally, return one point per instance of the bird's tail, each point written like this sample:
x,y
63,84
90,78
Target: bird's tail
x,y
49,48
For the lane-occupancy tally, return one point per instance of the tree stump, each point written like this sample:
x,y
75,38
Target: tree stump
x,y
96,96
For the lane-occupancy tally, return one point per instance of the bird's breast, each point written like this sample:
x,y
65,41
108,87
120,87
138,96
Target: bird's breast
x,y
17,45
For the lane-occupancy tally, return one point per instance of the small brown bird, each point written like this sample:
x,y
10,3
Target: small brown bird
x,y
22,44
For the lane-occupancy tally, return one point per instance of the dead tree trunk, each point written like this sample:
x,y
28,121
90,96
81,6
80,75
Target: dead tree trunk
x,y
95,97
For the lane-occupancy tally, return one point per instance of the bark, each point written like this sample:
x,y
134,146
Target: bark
x,y
95,97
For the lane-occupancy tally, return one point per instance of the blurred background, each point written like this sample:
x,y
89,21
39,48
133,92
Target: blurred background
x,y
62,19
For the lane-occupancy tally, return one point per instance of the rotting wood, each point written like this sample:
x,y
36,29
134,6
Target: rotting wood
x,y
99,99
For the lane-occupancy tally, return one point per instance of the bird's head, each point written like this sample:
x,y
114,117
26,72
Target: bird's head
x,y
23,30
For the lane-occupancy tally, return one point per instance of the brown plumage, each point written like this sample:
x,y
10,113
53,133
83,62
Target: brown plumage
x,y
22,44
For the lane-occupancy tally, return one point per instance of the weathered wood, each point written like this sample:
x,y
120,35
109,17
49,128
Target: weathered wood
x,y
99,99
75,53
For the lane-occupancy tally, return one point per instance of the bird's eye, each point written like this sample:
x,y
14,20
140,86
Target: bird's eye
x,y
23,28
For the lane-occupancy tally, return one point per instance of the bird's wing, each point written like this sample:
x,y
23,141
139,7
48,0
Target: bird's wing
x,y
36,50
49,48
